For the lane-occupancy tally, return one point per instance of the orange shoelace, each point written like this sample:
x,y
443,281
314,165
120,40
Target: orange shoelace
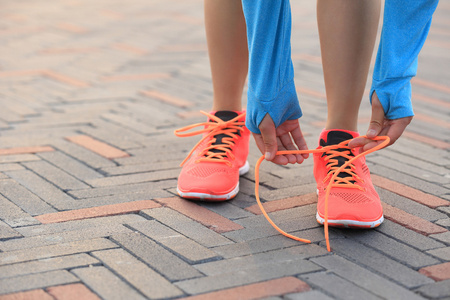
x,y
219,152
335,181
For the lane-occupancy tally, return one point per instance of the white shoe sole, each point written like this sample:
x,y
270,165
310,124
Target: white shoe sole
x,y
208,197
350,223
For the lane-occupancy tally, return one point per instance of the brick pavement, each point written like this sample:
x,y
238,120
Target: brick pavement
x,y
91,92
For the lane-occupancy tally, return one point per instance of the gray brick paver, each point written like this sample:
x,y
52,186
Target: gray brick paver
x,y
276,256
13,215
441,253
364,278
156,256
25,199
410,206
122,189
7,232
436,290
120,198
79,225
294,219
10,167
83,155
408,236
35,281
310,295
63,237
133,178
176,242
62,249
394,249
187,227
42,188
227,210
378,262
47,264
443,237
147,281
70,165
444,222
272,242
251,275
18,158
336,286
106,284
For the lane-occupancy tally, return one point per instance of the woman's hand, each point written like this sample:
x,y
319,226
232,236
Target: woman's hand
x,y
274,139
380,126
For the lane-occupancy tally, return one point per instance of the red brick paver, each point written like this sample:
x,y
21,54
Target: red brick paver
x,y
425,139
132,77
409,192
25,150
431,85
98,147
29,295
437,272
269,288
431,100
167,98
130,49
75,291
64,78
99,211
200,214
281,204
410,221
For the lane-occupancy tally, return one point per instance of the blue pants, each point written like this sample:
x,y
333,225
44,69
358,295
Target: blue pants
x,y
271,88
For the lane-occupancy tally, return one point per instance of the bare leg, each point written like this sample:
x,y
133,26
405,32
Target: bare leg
x,y
228,54
347,32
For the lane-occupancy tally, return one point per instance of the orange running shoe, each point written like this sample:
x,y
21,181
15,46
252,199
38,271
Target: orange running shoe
x,y
211,170
353,201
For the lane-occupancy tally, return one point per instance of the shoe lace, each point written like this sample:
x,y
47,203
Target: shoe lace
x,y
336,156
335,181
215,151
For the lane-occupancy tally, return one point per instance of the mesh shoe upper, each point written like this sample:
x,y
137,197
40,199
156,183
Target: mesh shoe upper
x,y
353,197
213,167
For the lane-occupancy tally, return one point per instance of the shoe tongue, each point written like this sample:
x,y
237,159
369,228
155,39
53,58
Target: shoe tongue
x,y
333,138
226,115
336,137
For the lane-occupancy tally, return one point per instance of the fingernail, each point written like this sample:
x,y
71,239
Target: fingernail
x,y
371,133
267,155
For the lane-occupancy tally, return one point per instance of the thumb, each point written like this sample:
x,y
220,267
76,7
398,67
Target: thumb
x,y
268,133
377,119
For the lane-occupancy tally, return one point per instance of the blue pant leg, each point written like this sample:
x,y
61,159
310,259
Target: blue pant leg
x,y
271,88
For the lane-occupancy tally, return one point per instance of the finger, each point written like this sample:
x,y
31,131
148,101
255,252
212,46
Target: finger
x,y
366,143
259,142
370,145
359,142
299,140
377,118
396,128
268,133
289,145
280,159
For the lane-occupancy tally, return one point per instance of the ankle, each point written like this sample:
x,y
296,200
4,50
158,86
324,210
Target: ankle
x,y
230,103
348,126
